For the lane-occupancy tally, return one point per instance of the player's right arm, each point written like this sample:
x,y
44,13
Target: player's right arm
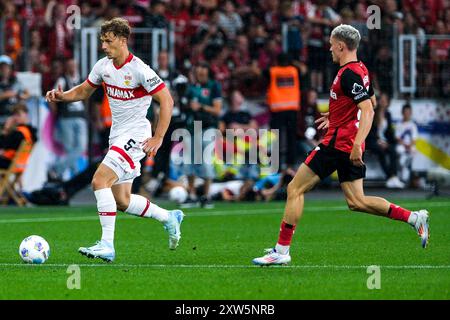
x,y
80,92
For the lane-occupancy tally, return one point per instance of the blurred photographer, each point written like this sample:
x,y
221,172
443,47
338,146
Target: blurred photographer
x,y
17,128
11,91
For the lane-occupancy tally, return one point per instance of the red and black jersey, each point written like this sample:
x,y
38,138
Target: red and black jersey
x,y
350,86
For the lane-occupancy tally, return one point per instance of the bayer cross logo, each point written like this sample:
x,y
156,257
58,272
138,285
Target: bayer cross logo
x,y
357,88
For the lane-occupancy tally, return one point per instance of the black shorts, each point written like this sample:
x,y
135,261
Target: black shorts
x,y
324,160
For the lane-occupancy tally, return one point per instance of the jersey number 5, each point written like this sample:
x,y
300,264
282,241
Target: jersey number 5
x,y
129,144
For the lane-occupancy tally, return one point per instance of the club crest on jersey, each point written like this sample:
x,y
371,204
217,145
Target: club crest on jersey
x,y
128,79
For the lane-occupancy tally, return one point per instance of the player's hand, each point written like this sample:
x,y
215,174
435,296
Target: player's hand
x,y
55,95
323,121
151,145
356,156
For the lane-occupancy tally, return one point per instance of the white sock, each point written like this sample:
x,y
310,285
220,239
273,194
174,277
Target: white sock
x,y
412,218
107,208
282,249
140,206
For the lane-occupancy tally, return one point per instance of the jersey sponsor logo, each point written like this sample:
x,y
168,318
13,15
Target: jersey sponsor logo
x,y
120,94
359,96
125,93
106,75
357,88
333,94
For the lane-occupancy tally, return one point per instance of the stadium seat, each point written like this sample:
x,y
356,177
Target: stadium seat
x,y
10,179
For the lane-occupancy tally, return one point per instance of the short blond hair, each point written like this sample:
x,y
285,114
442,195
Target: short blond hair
x,y
117,26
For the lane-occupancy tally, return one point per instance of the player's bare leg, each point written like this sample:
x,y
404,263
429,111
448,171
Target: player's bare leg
x,y
357,201
102,182
140,206
305,179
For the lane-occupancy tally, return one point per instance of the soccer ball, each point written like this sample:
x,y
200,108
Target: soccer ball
x,y
178,194
34,249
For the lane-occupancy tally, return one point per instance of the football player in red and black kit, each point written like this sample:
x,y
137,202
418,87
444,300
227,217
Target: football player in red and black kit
x,y
349,119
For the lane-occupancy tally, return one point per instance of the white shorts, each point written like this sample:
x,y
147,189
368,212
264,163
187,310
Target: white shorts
x,y
124,156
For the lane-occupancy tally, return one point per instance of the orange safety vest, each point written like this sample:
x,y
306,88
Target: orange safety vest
x,y
105,110
284,89
10,153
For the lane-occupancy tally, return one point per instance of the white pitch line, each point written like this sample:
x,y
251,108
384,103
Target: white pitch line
x,y
217,266
233,212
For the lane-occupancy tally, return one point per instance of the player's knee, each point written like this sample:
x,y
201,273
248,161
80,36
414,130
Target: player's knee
x,y
98,182
123,203
294,189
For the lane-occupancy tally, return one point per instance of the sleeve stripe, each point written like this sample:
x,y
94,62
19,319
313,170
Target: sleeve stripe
x,y
158,88
93,84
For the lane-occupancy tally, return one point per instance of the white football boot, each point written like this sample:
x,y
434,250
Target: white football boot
x,y
101,250
172,226
422,227
272,258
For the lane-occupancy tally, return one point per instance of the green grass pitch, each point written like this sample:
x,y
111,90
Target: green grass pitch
x,y
331,250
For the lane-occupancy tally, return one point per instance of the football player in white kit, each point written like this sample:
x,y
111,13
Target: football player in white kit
x,y
130,86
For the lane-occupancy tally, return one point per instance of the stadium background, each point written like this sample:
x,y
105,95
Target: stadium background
x,y
408,56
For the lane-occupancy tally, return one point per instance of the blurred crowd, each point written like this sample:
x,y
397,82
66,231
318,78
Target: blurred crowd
x,y
238,37
225,52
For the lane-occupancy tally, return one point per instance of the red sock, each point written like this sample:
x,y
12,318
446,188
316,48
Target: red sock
x,y
398,213
286,232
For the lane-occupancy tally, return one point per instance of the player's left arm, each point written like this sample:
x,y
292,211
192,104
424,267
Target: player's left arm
x,y
353,86
365,123
165,101
157,89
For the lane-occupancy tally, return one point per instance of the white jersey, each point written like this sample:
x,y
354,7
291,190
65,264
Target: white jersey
x,y
129,88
